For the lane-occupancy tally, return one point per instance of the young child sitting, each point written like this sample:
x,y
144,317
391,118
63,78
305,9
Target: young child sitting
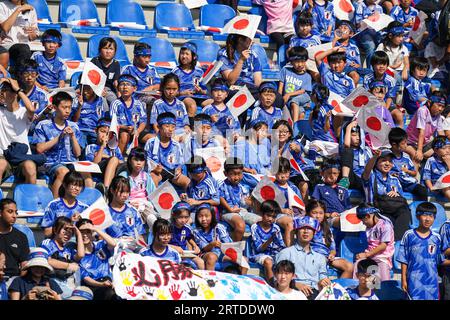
x,y
342,38
296,84
365,275
267,241
52,69
304,38
437,165
379,90
406,15
266,111
235,200
416,91
323,18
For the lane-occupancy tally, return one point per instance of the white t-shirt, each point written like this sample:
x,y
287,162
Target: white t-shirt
x,y
14,127
295,295
16,34
434,51
395,54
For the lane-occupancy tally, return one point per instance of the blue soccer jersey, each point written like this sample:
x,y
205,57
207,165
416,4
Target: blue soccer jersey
x,y
351,53
225,122
336,199
254,156
92,149
323,17
414,90
318,125
404,161
384,186
189,79
260,236
95,265
234,195
360,157
125,223
129,115
261,114
311,41
203,238
38,96
319,244
433,169
90,113
46,130
354,294
67,253
170,157
285,191
181,236
177,107
249,67
293,81
148,77
444,232
191,145
363,11
58,208
388,81
50,71
339,83
168,254
207,189
402,16
422,257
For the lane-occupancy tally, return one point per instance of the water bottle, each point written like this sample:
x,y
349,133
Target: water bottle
x,y
68,147
39,207
338,33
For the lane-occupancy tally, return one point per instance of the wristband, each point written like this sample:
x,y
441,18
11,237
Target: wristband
x,y
19,91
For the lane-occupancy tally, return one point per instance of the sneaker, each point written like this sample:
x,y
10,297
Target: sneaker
x,y
344,182
102,188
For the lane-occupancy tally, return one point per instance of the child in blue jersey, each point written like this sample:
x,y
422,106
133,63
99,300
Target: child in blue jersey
x,y
380,181
364,289
67,204
323,241
58,140
235,199
304,38
87,113
323,18
267,241
437,165
95,271
334,196
182,236
170,86
107,158
209,235
342,38
191,90
403,165
165,155
266,110
416,91
52,69
127,222
131,113
333,74
64,256
203,187
420,256
221,116
160,248
296,84
444,232
406,15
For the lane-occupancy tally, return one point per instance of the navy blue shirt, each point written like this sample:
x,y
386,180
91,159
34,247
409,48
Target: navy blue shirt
x,y
336,199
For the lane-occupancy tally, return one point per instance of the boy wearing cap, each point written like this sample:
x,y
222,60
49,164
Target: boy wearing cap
x,y
108,159
266,111
52,69
131,113
310,266
296,84
164,155
420,256
438,164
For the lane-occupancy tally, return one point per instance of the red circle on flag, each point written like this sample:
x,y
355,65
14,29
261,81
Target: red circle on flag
x,y
240,101
360,101
213,163
295,3
416,23
294,164
241,24
267,193
84,163
373,123
446,179
352,218
345,6
73,64
97,216
298,200
162,64
165,201
94,76
232,253
374,17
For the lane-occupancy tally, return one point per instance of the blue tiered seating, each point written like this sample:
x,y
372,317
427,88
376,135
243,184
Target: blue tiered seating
x,y
119,11
82,10
176,20
216,16
43,13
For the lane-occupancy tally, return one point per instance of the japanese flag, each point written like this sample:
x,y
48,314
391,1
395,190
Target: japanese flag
x,y
350,222
113,138
376,21
209,28
83,23
86,166
191,4
94,77
215,159
339,108
294,164
343,9
295,200
313,52
164,198
245,25
240,102
443,182
360,98
164,64
419,27
371,123
133,143
128,25
72,67
297,5
287,116
267,190
99,214
211,71
235,251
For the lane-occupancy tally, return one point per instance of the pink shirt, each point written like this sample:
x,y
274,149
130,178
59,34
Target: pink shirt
x,y
422,119
383,231
279,15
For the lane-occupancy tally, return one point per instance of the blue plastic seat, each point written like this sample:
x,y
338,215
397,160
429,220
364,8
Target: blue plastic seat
x,y
207,50
259,11
391,290
176,20
43,12
346,283
121,53
267,73
303,127
163,54
1,194
27,231
28,196
216,15
354,193
89,196
396,264
441,217
70,50
75,78
72,10
352,245
133,13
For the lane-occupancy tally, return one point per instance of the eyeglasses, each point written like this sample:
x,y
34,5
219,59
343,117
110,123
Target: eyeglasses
x,y
284,132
